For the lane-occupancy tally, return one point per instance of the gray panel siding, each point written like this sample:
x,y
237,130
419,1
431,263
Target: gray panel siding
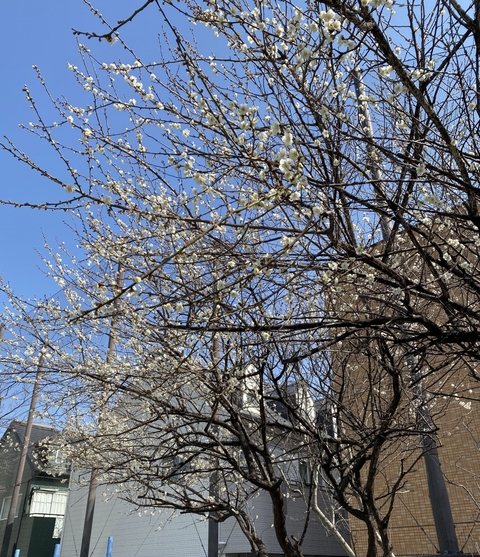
x,y
148,535
160,533
316,542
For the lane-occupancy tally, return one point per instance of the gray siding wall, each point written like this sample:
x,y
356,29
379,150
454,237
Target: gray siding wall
x,y
162,534
146,535
316,542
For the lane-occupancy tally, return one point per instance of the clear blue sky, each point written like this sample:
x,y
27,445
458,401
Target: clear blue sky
x,y
40,33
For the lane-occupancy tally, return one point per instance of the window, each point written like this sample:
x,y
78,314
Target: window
x,y
57,529
174,469
58,458
305,473
48,503
6,507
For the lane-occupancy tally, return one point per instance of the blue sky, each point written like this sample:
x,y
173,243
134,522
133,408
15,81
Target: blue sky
x,y
40,33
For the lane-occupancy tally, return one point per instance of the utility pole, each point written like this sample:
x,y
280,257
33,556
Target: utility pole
x,y
7,536
437,489
212,548
92,488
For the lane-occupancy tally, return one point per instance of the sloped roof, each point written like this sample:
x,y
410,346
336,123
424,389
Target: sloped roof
x,y
16,432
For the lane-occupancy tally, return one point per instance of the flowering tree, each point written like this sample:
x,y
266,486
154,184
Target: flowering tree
x,y
295,211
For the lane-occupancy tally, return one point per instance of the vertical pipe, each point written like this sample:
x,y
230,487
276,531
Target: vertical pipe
x,y
109,546
437,489
212,527
89,512
212,550
213,488
56,551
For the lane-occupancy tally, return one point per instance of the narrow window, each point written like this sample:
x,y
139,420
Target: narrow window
x,y
6,507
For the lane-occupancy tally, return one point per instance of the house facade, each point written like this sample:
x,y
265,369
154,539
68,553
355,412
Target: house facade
x,y
39,519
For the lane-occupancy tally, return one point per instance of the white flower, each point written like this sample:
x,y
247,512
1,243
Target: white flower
x,y
327,16
275,128
421,169
199,178
285,165
287,138
287,241
153,76
386,71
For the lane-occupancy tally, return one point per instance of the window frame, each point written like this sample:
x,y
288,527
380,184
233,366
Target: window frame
x,y
9,499
35,506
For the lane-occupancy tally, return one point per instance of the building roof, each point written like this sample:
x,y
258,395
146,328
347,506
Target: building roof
x,y
15,433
